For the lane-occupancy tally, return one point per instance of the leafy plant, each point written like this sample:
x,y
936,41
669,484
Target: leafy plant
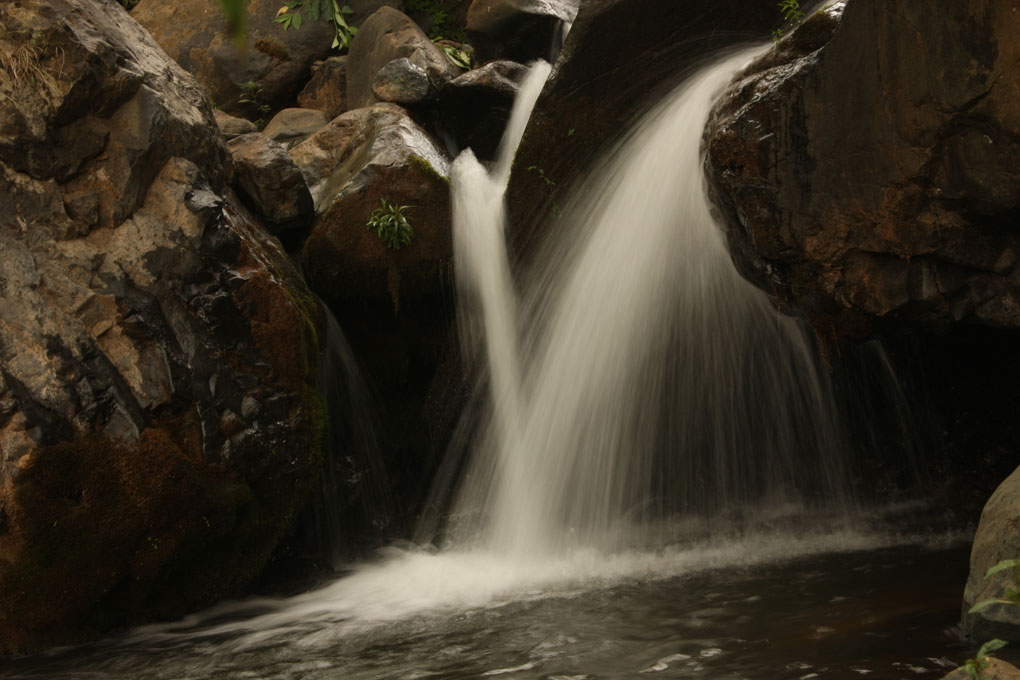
x,y
442,23
391,225
794,15
975,667
290,16
252,96
457,55
541,173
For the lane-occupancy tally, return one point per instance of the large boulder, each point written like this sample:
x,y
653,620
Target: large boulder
x,y
620,58
870,180
270,183
293,126
385,36
158,424
521,30
359,159
327,89
274,60
997,538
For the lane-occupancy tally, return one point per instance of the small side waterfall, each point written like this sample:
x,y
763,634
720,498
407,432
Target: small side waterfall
x,y
638,376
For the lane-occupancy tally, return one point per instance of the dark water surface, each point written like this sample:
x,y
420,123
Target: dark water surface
x,y
879,613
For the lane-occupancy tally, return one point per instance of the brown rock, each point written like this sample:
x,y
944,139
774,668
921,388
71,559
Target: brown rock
x,y
327,90
385,36
866,179
361,157
293,126
997,669
140,307
270,183
231,126
521,30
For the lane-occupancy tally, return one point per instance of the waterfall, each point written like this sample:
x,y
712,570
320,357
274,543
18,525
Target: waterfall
x,y
636,376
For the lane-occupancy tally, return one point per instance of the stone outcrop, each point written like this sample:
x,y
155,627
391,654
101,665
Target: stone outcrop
x,y
231,126
870,180
620,57
402,82
158,425
997,539
521,30
270,183
997,669
385,36
358,159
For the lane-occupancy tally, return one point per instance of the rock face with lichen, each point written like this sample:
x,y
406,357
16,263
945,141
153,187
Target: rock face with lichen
x,y
158,426
870,179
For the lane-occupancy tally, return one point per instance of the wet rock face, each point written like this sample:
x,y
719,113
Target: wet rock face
x,y
620,58
476,105
521,30
870,180
158,428
327,89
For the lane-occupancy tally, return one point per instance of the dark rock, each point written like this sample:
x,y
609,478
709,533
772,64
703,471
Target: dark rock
x,y
231,127
277,61
139,306
385,36
327,90
521,30
475,106
620,58
270,182
293,126
401,82
361,157
867,181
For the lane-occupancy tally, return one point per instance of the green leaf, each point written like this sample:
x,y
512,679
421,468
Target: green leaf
x,y
312,9
1001,566
985,604
297,21
990,647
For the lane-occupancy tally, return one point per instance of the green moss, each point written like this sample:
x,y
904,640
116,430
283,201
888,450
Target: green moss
x,y
429,169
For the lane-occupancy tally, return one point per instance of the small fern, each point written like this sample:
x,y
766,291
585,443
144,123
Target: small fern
x,y
391,225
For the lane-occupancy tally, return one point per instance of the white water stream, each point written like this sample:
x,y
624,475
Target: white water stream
x,y
651,416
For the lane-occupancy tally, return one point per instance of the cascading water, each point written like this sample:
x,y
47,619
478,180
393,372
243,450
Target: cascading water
x,y
649,378
634,379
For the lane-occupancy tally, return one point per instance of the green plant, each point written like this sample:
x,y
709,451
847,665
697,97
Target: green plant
x,y
391,224
442,23
290,16
794,15
975,667
251,94
541,173
458,56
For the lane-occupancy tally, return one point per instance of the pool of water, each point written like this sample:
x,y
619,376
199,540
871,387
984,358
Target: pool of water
x,y
839,605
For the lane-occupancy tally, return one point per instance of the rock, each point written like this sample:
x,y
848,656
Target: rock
x,y
270,183
385,36
997,538
293,126
361,157
475,106
275,60
866,179
401,82
327,90
231,127
620,58
522,30
140,306
997,670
